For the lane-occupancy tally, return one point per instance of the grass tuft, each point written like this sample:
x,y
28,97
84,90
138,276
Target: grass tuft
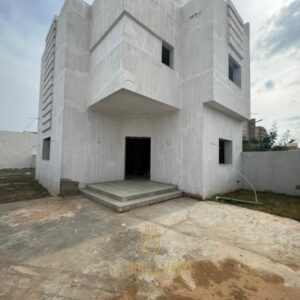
x,y
275,204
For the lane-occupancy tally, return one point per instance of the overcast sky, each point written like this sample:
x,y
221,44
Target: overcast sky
x,y
275,60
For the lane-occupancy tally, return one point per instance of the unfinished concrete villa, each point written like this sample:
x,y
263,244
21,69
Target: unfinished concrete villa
x,y
143,100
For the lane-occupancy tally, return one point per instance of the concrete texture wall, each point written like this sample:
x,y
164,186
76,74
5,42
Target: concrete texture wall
x,y
196,69
159,17
273,171
100,26
225,91
220,178
127,58
106,65
142,60
48,172
17,150
94,142
111,84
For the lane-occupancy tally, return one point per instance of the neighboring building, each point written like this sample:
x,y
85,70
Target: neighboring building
x,y
251,131
245,131
17,150
260,133
292,146
156,89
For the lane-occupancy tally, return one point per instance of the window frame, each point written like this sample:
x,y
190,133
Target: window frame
x,y
234,71
170,50
227,149
46,149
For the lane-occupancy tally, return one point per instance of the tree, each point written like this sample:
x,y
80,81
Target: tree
x,y
285,138
269,141
266,144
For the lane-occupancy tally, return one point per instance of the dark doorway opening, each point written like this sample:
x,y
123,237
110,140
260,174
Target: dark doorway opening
x,y
137,158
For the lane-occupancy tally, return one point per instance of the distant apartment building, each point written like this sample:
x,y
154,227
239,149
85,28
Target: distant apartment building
x,y
249,130
252,132
260,133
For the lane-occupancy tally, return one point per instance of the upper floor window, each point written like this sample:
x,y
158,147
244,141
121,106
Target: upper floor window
x,y
234,71
167,55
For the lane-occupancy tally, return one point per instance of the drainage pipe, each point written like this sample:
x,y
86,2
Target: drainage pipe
x,y
249,182
237,200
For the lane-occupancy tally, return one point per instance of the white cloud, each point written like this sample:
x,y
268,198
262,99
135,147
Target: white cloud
x,y
19,77
24,25
281,103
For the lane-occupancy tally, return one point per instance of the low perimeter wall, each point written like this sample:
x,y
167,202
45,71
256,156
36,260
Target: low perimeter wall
x,y
277,172
17,150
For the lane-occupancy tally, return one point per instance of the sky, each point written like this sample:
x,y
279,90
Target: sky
x,y
275,61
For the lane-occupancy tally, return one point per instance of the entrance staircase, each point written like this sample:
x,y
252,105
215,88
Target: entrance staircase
x,y
125,195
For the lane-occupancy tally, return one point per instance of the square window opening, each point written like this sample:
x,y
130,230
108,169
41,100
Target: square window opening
x,y
167,55
46,149
225,152
235,72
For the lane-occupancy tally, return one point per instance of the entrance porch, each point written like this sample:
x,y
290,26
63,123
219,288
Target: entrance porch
x,y
129,194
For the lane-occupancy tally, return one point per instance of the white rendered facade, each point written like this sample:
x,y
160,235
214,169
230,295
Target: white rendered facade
x,y
108,82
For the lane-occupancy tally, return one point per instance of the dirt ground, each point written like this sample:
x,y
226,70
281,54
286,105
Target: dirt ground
x,y
74,248
19,185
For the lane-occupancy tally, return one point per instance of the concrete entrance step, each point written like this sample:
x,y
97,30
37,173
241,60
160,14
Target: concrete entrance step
x,y
131,189
122,206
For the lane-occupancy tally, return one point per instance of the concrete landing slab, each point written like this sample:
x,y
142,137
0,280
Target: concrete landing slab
x,y
131,189
122,206
125,195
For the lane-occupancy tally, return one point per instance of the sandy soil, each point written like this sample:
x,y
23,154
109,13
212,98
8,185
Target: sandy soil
x,y
41,213
20,185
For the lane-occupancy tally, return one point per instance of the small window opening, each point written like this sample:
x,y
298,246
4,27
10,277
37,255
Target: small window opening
x,y
225,152
235,72
167,56
46,149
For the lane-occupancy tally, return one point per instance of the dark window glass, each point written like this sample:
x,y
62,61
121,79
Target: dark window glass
x,y
46,149
234,71
165,58
221,152
225,152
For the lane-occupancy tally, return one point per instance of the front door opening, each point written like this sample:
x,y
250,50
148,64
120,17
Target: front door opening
x,y
137,158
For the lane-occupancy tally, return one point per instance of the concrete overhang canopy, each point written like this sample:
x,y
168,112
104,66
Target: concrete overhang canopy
x,y
125,102
227,111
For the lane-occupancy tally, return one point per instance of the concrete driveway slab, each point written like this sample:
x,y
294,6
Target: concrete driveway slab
x,y
73,248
